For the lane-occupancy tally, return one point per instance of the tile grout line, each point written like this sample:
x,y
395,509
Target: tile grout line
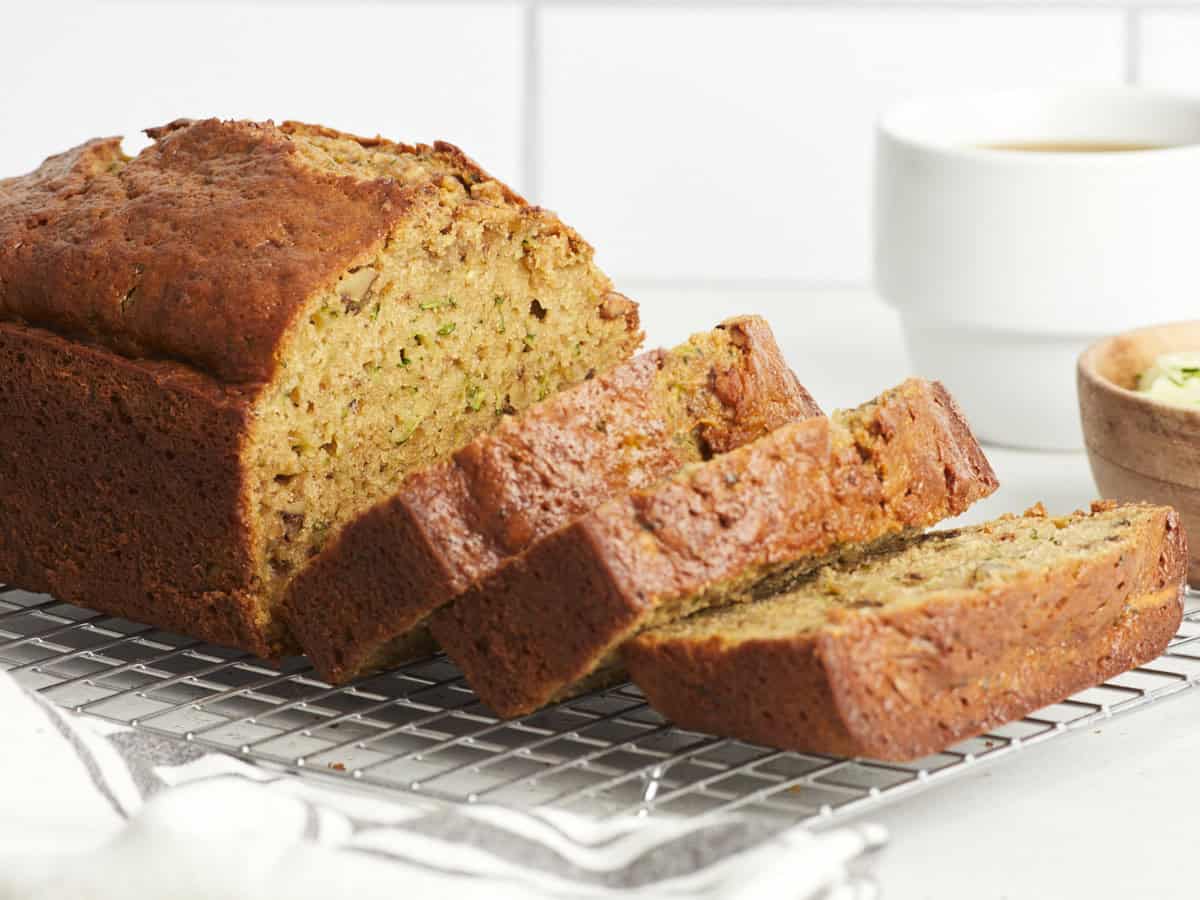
x,y
739,285
1133,45
531,112
874,5
684,5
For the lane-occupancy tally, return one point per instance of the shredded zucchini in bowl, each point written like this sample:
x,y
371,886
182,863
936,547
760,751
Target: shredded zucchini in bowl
x,y
1174,378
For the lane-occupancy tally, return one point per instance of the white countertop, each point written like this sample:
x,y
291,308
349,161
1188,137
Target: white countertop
x,y
1099,813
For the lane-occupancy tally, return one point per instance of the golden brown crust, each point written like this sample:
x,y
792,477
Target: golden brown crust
x,y
761,394
454,524
465,164
201,249
961,455
121,487
550,616
145,304
899,685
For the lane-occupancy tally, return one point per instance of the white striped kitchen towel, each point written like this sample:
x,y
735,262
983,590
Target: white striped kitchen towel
x,y
89,810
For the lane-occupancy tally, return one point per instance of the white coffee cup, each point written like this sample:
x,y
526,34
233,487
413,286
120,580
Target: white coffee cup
x,y
1005,264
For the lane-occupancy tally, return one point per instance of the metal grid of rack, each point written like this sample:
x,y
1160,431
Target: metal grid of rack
x,y
420,730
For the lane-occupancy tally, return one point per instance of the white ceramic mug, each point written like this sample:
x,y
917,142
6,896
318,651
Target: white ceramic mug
x,y
1005,264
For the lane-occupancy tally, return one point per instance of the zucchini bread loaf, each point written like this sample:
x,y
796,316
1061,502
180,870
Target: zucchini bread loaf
x,y
219,351
358,605
907,652
765,512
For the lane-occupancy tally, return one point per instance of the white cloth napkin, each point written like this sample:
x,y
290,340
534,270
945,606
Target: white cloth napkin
x,y
91,810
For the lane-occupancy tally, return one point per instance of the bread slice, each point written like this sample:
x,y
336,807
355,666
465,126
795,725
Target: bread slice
x,y
907,652
767,511
355,607
218,352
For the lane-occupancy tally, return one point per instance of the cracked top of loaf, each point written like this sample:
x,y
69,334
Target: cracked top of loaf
x,y
206,246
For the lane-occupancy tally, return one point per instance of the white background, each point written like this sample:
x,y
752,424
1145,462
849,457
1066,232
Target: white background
x,y
695,144
716,152
691,142
718,156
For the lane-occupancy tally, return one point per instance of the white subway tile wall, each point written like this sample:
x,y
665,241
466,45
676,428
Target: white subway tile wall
x,y
1169,49
75,70
696,143
736,144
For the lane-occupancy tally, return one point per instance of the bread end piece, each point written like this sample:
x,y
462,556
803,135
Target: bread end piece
x,y
904,685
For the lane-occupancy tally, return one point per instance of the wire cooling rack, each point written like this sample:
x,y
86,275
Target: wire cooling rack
x,y
420,730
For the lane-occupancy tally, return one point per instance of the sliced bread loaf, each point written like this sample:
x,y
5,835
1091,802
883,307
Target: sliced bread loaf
x,y
242,337
356,605
781,505
906,652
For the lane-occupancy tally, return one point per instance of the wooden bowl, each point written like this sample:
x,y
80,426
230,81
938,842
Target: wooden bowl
x,y
1141,449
